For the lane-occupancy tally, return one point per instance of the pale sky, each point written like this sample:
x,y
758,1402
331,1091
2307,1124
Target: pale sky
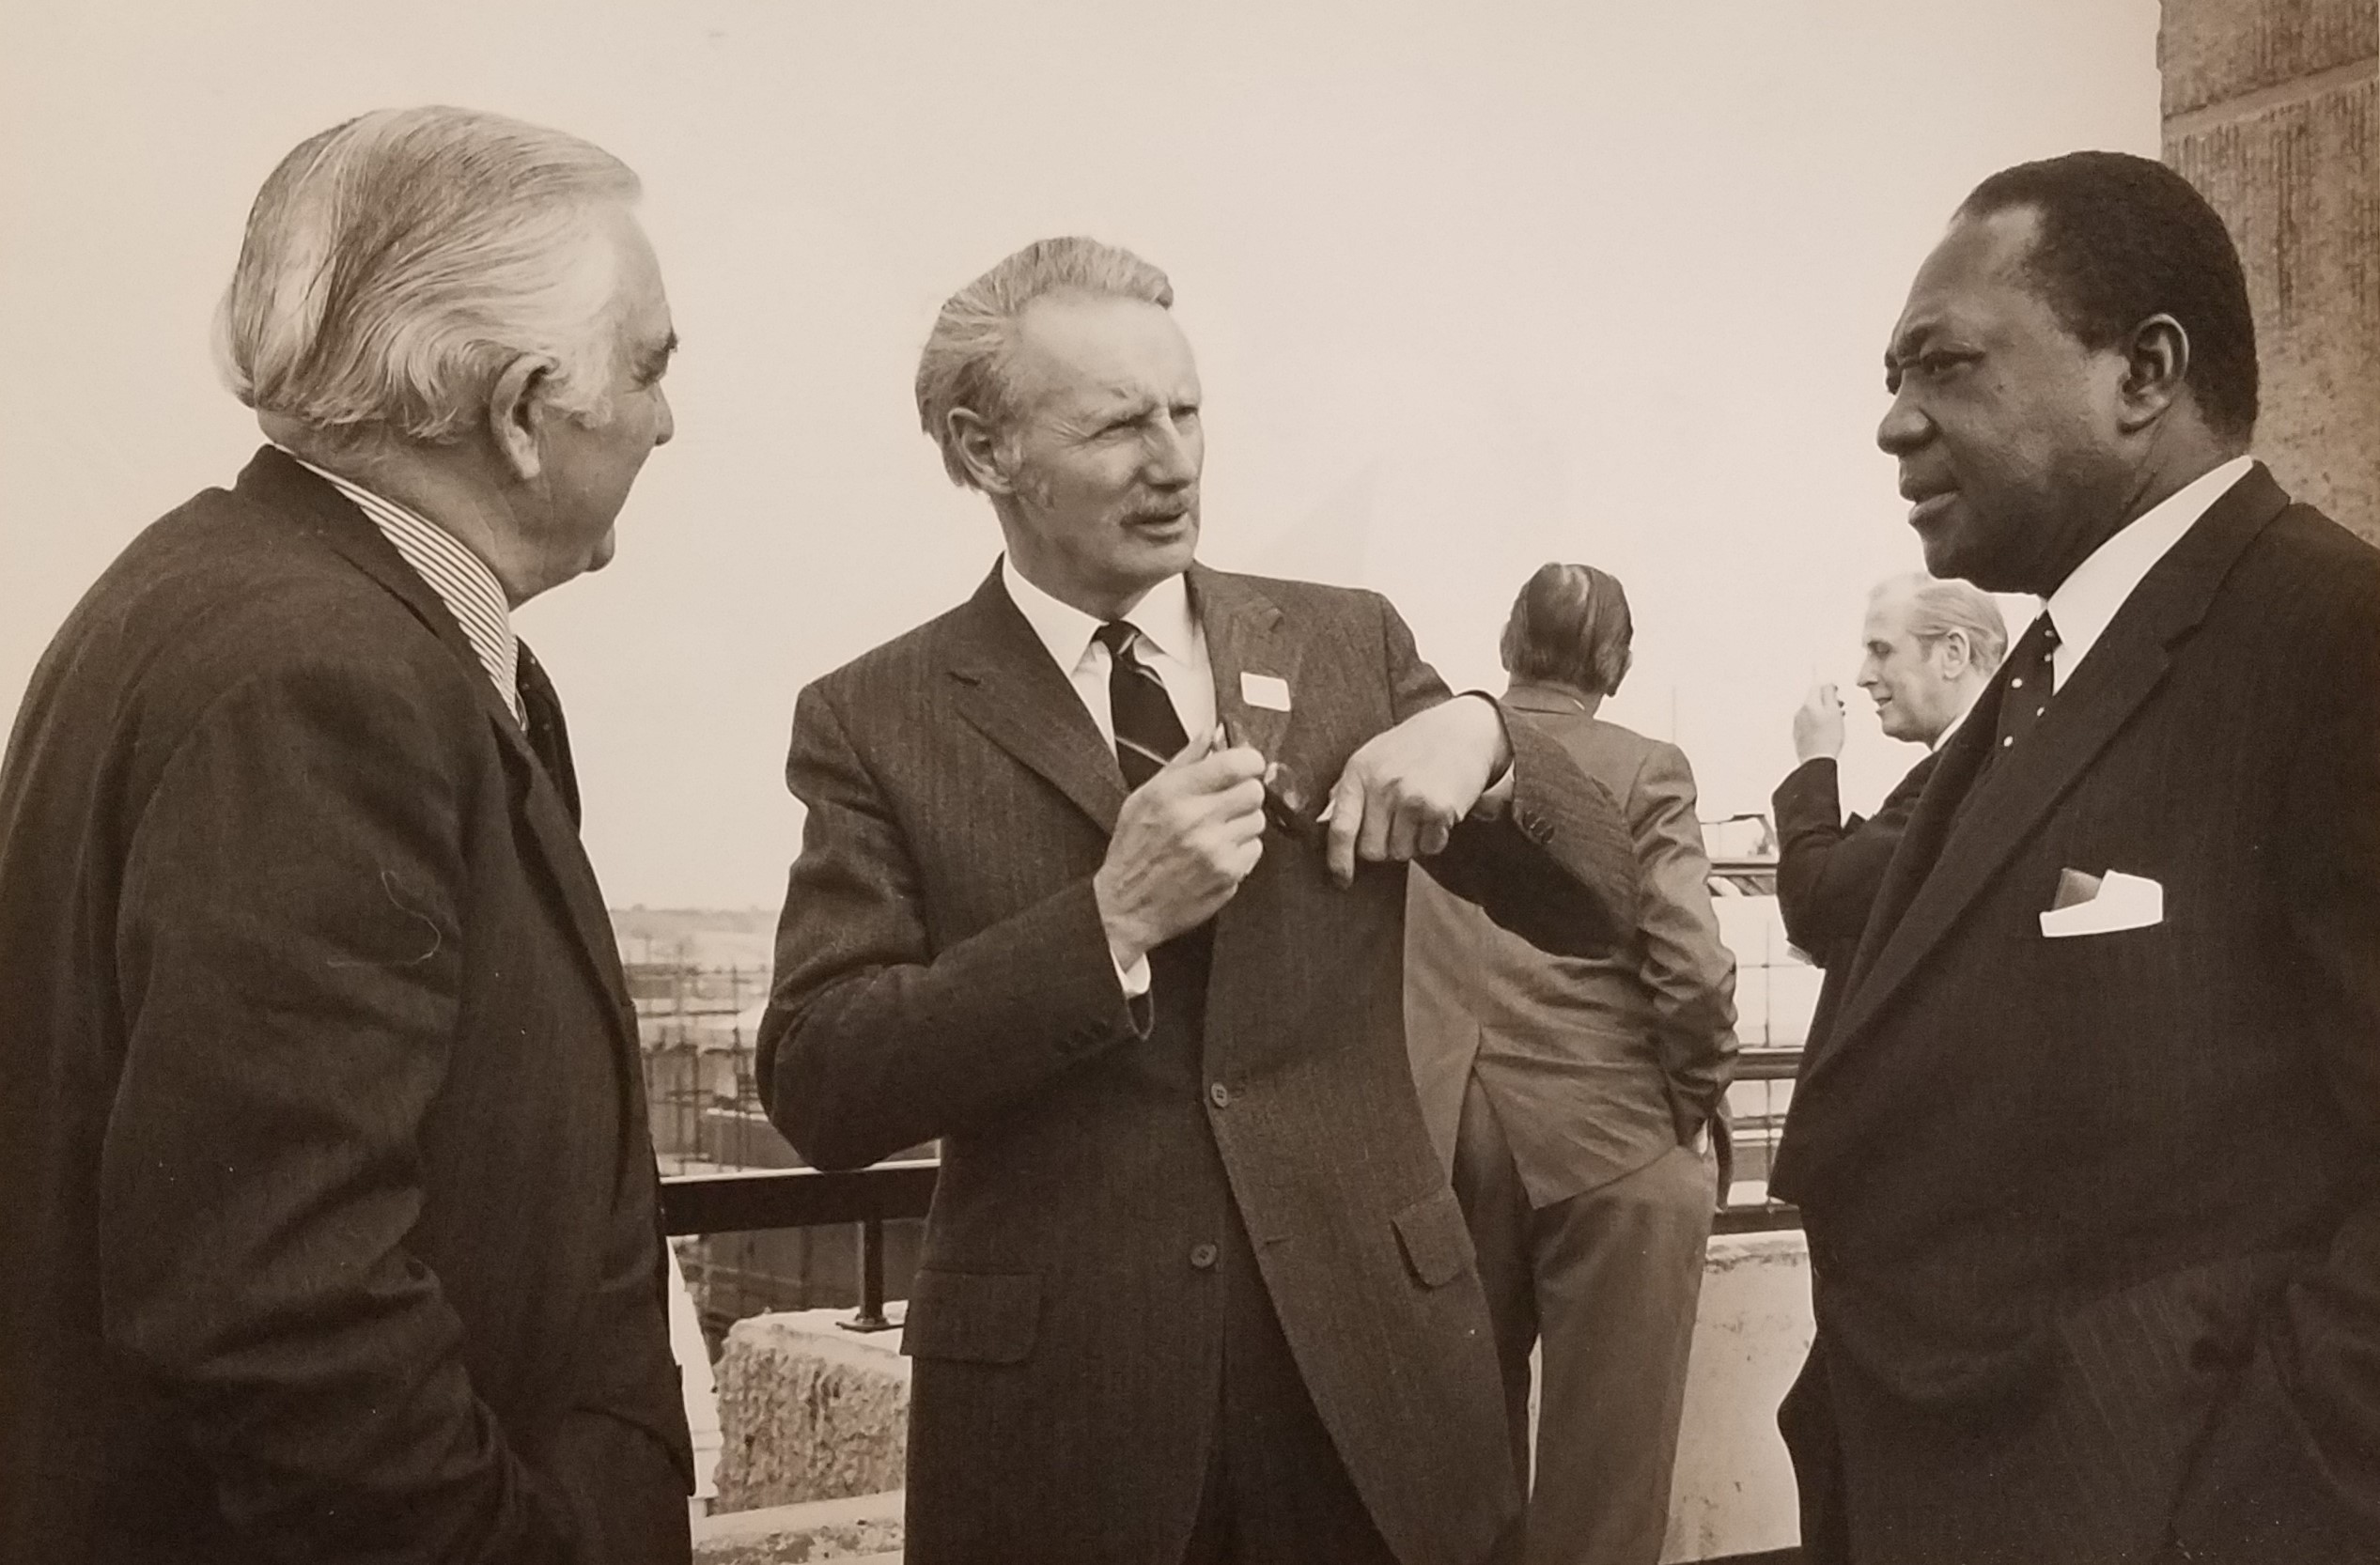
x,y
1472,286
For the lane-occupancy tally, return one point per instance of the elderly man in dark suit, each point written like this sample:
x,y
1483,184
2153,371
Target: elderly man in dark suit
x,y
1927,649
330,1231
1568,1097
1193,1286
2089,1153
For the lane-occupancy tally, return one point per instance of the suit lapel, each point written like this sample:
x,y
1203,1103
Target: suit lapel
x,y
289,490
1245,634
1950,856
1013,694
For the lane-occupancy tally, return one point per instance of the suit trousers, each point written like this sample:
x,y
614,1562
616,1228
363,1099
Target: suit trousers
x,y
1606,1280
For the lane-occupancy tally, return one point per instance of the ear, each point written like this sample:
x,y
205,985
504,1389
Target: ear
x,y
978,446
1957,654
2157,362
517,412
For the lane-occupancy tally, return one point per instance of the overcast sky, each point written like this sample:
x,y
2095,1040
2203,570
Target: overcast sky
x,y
1472,287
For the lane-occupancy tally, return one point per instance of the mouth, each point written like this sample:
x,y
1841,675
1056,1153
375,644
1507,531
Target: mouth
x,y
1927,502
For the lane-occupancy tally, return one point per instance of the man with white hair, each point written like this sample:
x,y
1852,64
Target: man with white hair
x,y
1928,648
331,1222
1195,1286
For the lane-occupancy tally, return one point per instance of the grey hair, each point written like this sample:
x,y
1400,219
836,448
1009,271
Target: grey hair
x,y
966,360
1938,607
1570,624
395,264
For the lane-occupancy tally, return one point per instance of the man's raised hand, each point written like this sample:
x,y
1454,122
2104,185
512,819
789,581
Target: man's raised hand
x,y
1184,840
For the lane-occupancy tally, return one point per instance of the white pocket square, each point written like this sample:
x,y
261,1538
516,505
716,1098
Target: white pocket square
x,y
2102,905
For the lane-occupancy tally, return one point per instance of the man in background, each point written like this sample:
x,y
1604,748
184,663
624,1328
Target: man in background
x,y
330,1232
1569,1098
2088,1155
1928,648
1194,1287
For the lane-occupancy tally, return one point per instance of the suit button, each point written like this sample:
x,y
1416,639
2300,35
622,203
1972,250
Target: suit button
x,y
1220,1096
1203,1257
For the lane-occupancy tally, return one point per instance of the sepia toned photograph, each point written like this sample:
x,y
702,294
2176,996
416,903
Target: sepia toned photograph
x,y
1299,783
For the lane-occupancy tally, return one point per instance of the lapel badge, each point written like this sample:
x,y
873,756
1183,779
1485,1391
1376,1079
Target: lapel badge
x,y
1264,690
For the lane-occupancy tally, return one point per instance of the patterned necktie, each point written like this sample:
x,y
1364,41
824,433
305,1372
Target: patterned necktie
x,y
2032,679
541,722
1148,731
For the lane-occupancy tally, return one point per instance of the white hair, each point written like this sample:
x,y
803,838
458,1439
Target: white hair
x,y
393,265
1938,607
965,362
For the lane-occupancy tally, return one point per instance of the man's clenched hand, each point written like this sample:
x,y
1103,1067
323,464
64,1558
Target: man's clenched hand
x,y
1406,789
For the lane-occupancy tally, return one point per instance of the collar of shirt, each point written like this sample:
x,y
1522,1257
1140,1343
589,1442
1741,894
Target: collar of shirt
x,y
2087,599
1173,643
460,579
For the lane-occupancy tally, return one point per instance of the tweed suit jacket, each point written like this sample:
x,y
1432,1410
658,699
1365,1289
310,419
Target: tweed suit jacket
x,y
330,1232
1830,868
942,972
2096,1221
1596,1065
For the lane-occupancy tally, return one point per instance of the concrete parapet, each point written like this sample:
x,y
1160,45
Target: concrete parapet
x,y
809,1411
1732,1492
865,1530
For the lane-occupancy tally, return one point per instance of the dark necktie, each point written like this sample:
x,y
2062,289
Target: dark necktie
x,y
1148,731
541,722
2032,678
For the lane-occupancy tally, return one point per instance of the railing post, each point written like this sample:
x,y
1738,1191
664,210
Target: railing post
x,y
870,1315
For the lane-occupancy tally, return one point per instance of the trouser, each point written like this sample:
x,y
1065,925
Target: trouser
x,y
1606,1280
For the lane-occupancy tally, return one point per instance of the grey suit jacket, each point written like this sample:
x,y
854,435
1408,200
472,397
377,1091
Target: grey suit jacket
x,y
1596,1065
942,972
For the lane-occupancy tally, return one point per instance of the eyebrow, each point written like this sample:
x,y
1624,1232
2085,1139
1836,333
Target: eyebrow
x,y
656,359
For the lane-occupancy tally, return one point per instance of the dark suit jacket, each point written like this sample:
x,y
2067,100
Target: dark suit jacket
x,y
941,971
330,1228
1596,1065
1830,868
2103,1213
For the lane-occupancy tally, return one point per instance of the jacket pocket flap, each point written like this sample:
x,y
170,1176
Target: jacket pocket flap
x,y
1436,1244
984,1317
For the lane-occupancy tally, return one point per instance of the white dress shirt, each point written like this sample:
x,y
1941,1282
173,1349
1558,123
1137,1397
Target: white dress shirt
x,y
1172,642
2089,597
460,579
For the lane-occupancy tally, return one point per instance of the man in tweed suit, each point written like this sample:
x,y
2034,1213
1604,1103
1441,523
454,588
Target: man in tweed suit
x,y
2089,1153
1195,1286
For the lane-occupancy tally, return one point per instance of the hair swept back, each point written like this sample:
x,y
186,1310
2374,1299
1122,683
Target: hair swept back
x,y
965,362
1570,624
393,264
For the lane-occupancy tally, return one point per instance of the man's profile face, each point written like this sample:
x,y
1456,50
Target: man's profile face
x,y
1104,454
2004,424
1908,679
590,466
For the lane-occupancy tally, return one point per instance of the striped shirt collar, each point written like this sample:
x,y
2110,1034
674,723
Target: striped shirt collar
x,y
460,579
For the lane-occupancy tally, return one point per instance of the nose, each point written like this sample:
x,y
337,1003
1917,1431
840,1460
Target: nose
x,y
1173,453
1904,429
668,424
1868,679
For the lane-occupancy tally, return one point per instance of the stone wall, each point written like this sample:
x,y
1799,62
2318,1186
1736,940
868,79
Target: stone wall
x,y
2271,108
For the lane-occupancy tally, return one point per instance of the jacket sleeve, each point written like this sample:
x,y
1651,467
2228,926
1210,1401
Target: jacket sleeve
x,y
1686,969
875,1040
1830,869
289,948
2290,1469
1557,866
